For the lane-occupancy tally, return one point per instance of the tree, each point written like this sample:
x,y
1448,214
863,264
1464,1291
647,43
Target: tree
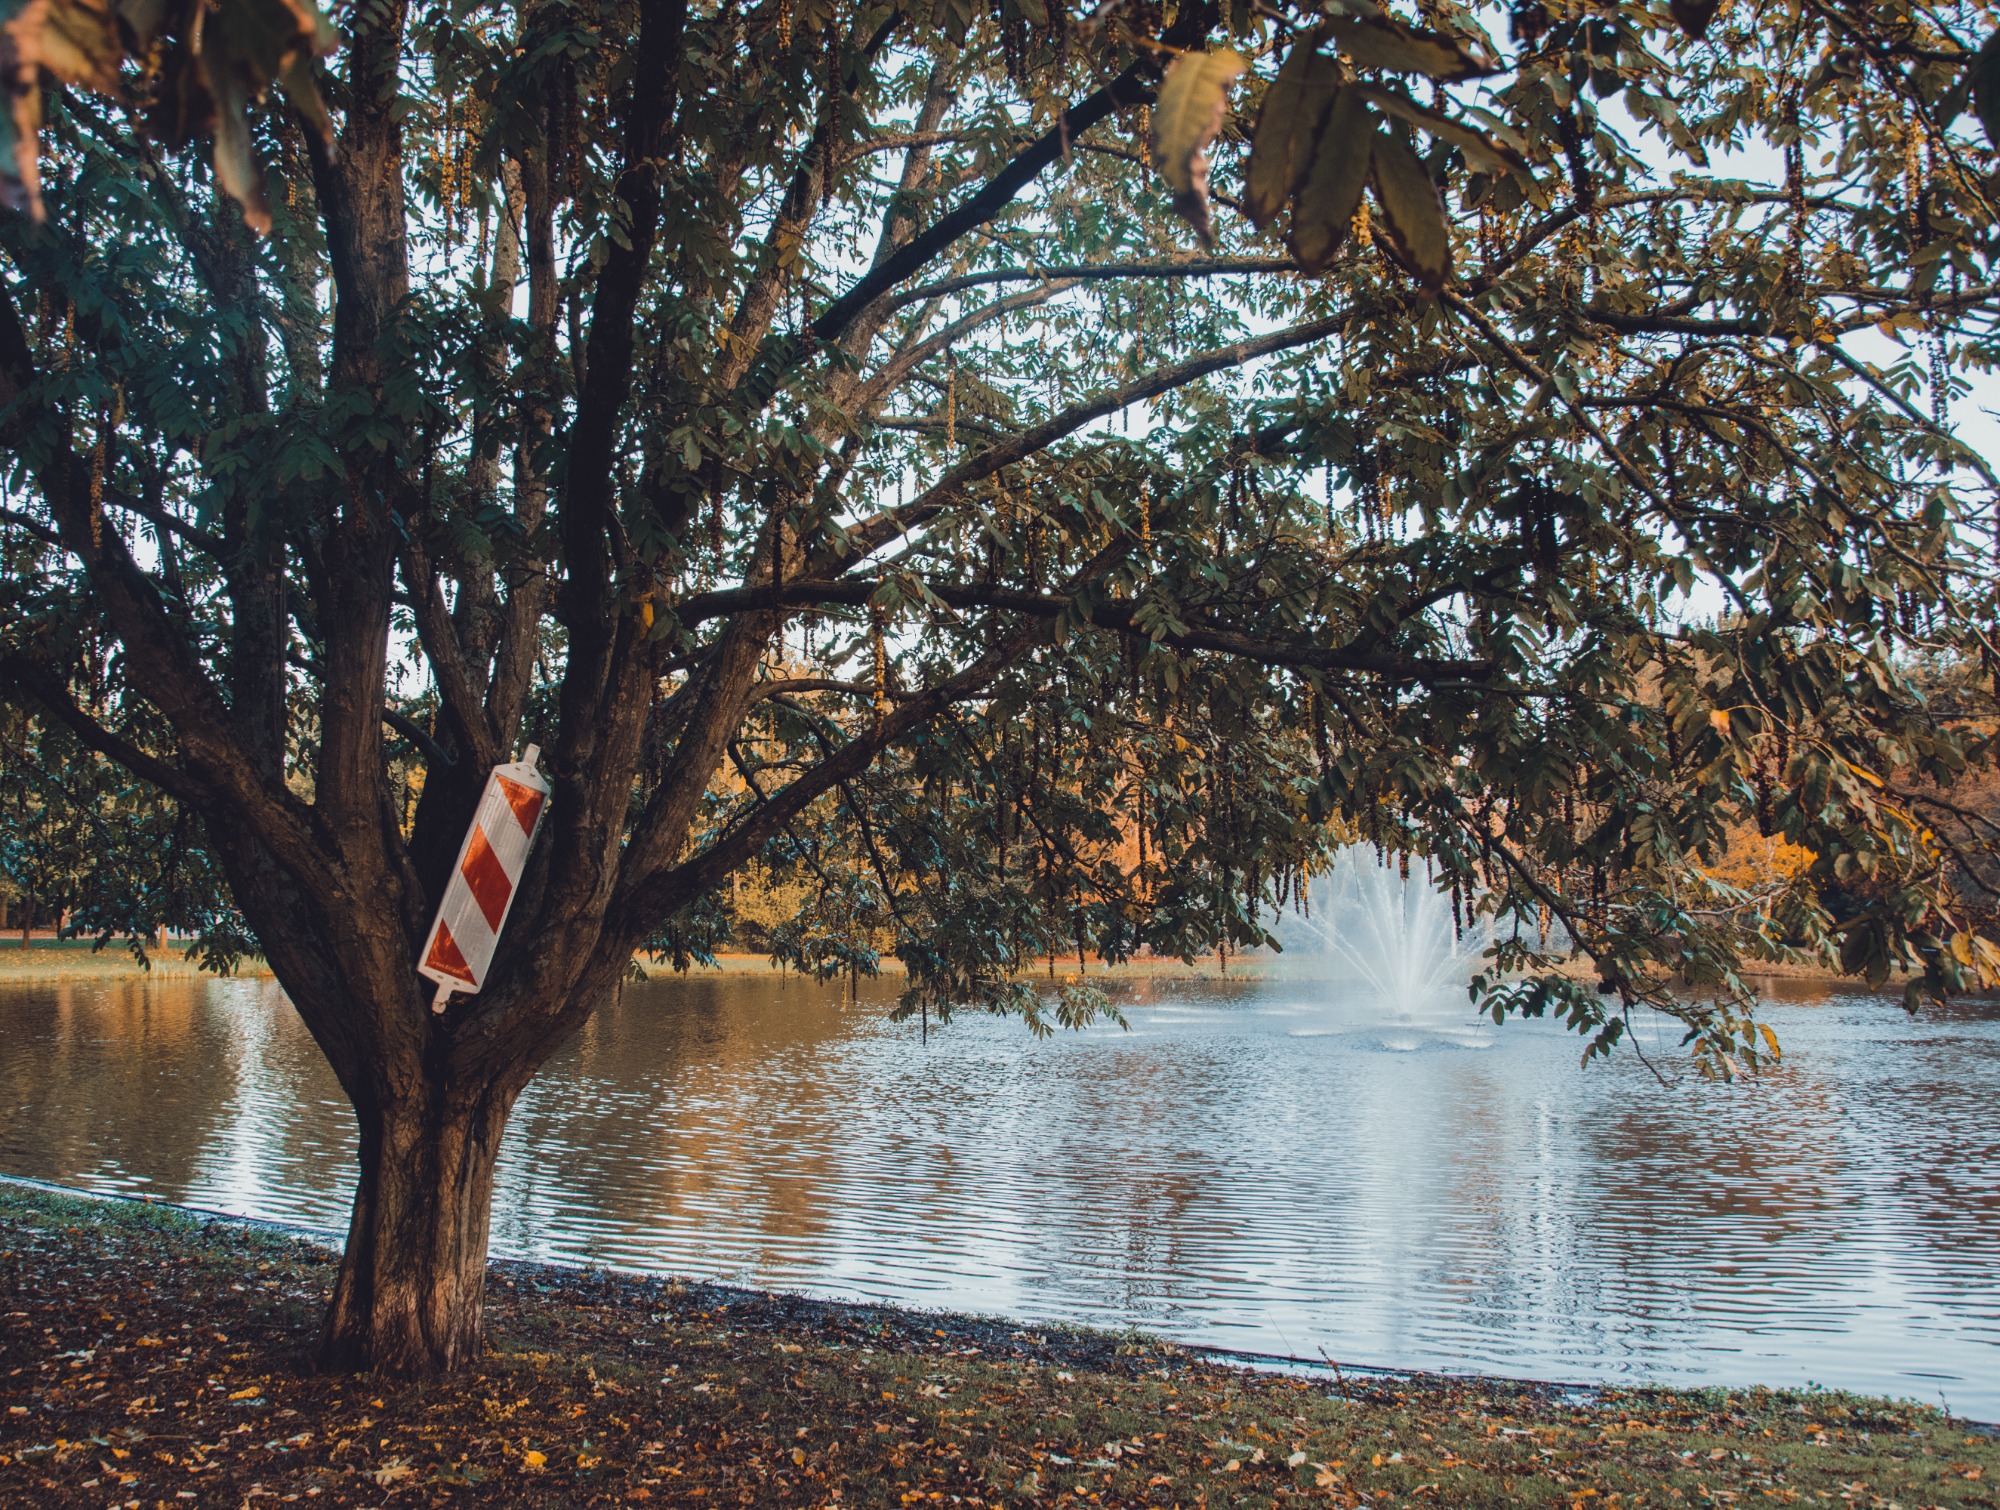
x,y
806,422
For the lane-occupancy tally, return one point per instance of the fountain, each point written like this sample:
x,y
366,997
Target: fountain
x,y
1393,934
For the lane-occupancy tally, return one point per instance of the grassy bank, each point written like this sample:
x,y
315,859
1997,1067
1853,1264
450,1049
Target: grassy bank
x,y
151,1358
80,959
68,959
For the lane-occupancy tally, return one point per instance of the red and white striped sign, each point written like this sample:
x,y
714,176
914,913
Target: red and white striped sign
x,y
483,882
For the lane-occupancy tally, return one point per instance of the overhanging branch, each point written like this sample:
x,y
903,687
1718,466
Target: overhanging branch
x,y
1116,614
45,687
872,534
1129,88
1084,272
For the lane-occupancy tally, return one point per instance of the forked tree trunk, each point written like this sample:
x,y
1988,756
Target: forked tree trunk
x,y
410,1296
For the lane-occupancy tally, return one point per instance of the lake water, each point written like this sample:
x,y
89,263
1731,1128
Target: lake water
x,y
1268,1166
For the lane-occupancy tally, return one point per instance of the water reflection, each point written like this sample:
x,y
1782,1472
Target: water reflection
x,y
1264,1166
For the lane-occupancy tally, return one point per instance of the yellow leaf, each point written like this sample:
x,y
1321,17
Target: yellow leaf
x,y
1412,213
1325,205
246,1394
1187,116
535,1462
1718,720
1288,126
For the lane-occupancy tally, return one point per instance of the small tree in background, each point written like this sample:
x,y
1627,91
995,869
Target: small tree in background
x,y
809,424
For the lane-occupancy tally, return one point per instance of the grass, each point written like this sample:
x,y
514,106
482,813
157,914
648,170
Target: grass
x,y
81,959
153,1358
62,959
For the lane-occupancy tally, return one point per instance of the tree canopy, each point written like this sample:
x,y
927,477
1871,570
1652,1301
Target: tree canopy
x,y
878,444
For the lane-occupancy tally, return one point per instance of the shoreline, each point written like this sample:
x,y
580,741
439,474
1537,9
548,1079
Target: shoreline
x,y
155,1355
50,960
1323,1368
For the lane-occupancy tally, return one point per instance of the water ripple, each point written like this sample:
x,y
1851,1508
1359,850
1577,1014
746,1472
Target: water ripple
x,y
1279,1167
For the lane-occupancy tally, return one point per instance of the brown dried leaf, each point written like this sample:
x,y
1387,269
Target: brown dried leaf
x,y
224,61
1412,214
1288,124
79,43
74,41
1187,117
1324,207
208,86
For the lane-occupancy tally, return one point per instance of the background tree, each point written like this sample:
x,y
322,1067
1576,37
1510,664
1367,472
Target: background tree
x,y
805,421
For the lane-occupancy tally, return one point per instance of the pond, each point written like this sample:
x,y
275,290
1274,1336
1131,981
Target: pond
x,y
1274,1166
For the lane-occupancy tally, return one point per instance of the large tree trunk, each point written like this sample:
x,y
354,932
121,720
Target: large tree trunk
x,y
409,1300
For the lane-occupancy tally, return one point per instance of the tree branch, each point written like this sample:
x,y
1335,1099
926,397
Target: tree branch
x,y
1129,88
474,731
1115,614
873,533
1088,272
45,687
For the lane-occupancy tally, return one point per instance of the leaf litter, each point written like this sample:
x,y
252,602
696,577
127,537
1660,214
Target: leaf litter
x,y
152,1358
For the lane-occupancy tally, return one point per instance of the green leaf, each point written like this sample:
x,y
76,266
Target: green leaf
x,y
1187,116
1412,214
1693,16
1985,70
1383,42
1325,205
1483,152
953,18
1288,124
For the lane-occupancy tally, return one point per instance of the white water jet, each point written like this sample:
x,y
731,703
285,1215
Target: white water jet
x,y
1395,933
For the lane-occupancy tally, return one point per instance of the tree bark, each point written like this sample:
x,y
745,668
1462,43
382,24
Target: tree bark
x,y
410,1297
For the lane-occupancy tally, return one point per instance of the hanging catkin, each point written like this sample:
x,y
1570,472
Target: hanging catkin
x,y
1940,375
97,490
875,626
1795,194
1913,185
1146,512
951,406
